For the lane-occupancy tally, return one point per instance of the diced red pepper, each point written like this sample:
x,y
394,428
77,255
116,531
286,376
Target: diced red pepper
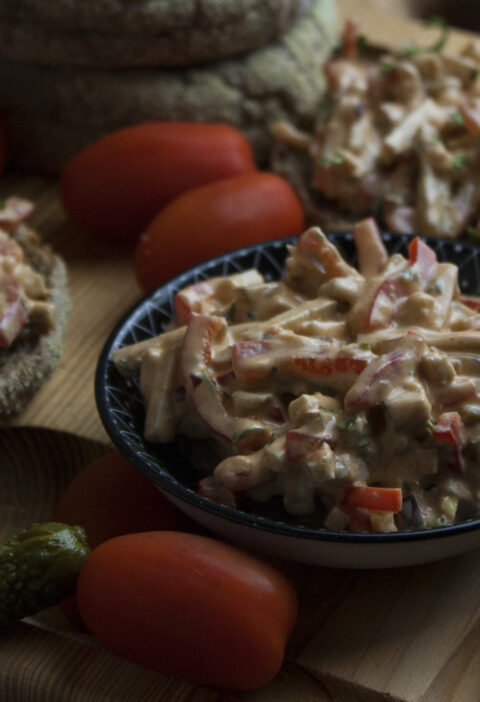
x,y
244,350
189,300
350,39
424,259
450,431
471,118
299,446
203,390
375,498
316,244
14,315
317,366
14,212
422,263
12,321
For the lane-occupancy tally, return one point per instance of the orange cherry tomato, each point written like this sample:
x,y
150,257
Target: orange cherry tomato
x,y
188,606
110,497
115,186
213,219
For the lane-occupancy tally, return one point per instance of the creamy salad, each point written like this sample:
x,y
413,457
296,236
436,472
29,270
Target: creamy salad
x,y
398,136
23,291
351,396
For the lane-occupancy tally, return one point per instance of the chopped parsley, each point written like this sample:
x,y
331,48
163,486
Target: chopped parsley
x,y
409,276
441,23
435,288
473,232
364,345
457,119
437,46
335,161
208,382
387,66
460,160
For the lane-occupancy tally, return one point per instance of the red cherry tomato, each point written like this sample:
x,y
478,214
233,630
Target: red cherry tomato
x,y
215,218
110,497
115,186
188,606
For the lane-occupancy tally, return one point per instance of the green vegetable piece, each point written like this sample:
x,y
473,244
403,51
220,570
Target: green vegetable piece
x,y
39,568
460,160
457,119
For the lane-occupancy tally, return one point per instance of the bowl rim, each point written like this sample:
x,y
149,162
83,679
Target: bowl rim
x,y
170,485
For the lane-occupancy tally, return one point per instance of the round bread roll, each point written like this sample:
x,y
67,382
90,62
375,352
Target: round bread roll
x,y
55,112
121,33
33,357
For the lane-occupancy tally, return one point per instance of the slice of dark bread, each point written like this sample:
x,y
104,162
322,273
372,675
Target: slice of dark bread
x,y
33,357
54,112
147,34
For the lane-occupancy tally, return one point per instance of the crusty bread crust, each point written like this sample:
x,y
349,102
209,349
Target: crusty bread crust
x,y
32,358
198,35
55,112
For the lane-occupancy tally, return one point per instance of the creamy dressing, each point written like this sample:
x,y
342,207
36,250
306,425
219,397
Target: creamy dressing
x,y
373,425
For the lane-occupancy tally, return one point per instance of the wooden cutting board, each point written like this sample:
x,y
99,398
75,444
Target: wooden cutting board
x,y
411,634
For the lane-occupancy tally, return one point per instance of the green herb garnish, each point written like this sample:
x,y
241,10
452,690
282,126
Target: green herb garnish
x,y
460,160
473,232
335,161
437,46
441,23
208,382
387,66
457,119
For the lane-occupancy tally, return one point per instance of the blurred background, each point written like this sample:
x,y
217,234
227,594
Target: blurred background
x,y
462,13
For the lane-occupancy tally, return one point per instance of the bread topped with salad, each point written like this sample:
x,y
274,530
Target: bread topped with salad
x,y
351,397
397,136
34,304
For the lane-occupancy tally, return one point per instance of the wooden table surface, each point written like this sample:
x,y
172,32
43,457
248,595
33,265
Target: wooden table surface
x,y
411,634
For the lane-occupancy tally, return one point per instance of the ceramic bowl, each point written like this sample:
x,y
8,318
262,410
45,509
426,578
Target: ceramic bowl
x,y
121,409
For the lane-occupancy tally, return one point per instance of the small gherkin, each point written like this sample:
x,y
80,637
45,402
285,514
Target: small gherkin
x,y
38,568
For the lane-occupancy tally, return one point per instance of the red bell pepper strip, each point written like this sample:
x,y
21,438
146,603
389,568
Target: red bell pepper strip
x,y
315,244
422,264
321,366
189,300
376,498
14,211
449,431
423,259
14,314
203,390
244,350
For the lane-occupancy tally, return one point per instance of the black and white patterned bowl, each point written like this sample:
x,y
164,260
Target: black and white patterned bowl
x,y
121,409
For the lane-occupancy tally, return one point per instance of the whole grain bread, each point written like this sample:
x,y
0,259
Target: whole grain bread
x,y
54,112
33,357
157,34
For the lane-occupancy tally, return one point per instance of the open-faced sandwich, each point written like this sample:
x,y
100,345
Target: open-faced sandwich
x,y
397,136
34,306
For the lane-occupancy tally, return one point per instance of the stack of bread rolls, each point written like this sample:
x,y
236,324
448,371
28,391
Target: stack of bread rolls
x,y
72,71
